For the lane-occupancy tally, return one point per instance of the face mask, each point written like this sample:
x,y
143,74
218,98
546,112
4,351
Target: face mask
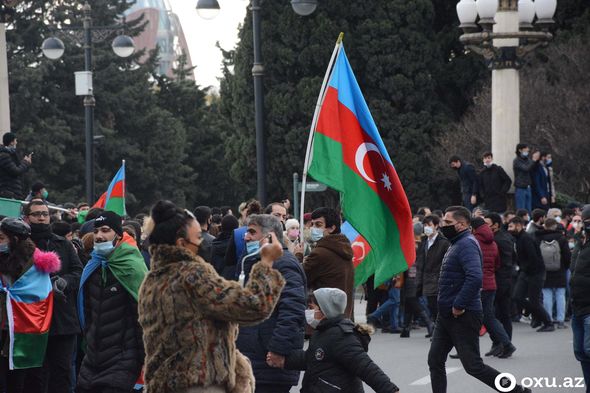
x,y
104,248
316,234
252,247
572,245
310,318
39,228
558,219
548,162
524,154
4,248
44,194
449,231
487,165
293,234
575,225
428,231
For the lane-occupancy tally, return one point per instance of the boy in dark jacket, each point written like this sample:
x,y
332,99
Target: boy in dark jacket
x,y
337,359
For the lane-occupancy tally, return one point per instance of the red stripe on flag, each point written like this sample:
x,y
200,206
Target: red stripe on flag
x,y
374,165
101,201
360,249
33,317
118,190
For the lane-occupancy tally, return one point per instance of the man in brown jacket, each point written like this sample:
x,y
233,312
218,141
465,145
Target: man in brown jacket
x,y
329,265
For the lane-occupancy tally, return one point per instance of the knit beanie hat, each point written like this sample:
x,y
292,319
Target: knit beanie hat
x,y
332,301
111,220
292,222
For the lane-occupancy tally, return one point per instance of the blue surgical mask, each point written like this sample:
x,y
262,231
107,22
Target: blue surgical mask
x,y
252,247
549,162
104,248
4,248
316,234
524,154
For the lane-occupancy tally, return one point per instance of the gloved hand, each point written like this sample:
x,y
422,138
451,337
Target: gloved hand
x,y
59,285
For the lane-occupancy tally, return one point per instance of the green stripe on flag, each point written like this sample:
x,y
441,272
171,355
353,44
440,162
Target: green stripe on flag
x,y
363,208
29,350
116,205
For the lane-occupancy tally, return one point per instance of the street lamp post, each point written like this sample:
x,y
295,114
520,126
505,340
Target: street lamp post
x,y
208,9
505,38
53,48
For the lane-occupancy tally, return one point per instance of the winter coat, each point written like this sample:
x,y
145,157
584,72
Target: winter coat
x,y
523,167
505,243
461,276
283,332
528,254
114,354
337,360
218,251
206,246
11,171
190,318
557,279
494,185
540,187
580,282
468,179
65,314
410,285
428,265
329,265
491,256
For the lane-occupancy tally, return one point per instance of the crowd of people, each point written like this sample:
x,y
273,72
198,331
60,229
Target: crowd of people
x,y
208,301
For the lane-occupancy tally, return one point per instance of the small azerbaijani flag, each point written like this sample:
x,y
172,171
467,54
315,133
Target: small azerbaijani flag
x,y
29,307
350,156
360,246
114,198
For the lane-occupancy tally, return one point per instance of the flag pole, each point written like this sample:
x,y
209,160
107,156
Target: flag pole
x,y
314,123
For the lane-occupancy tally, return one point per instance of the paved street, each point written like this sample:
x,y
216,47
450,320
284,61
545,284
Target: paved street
x,y
538,355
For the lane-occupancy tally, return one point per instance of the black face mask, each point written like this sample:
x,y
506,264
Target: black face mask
x,y
449,231
40,228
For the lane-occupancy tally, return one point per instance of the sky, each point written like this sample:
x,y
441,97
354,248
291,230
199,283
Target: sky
x,y
201,35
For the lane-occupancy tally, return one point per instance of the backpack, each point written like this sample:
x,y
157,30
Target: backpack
x,y
551,253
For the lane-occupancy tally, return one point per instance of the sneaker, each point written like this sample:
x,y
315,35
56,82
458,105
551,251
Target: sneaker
x,y
535,323
507,352
495,350
547,328
561,325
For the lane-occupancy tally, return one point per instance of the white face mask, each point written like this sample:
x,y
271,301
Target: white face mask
x,y
558,219
428,231
310,318
104,248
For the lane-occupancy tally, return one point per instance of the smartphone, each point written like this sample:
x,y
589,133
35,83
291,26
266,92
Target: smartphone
x,y
269,239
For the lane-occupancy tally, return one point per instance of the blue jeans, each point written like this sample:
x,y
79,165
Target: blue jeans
x,y
581,330
493,326
523,198
390,306
551,296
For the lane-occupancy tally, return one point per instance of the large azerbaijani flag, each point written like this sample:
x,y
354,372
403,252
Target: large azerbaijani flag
x,y
114,198
29,307
349,156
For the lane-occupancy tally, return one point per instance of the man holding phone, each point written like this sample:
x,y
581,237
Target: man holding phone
x,y
283,332
12,168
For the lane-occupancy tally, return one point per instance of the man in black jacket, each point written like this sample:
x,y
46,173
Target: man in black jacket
x,y
12,168
523,167
505,242
203,216
283,332
468,179
64,323
531,275
494,185
580,294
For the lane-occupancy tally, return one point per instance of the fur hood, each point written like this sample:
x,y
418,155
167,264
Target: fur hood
x,y
47,262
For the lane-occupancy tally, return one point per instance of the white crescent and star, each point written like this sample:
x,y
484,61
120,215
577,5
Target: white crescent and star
x,y
359,157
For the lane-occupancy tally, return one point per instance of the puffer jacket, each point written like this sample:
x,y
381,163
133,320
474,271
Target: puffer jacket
x,y
114,354
329,265
505,243
283,332
461,276
11,171
428,264
523,167
491,256
580,282
337,360
190,318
